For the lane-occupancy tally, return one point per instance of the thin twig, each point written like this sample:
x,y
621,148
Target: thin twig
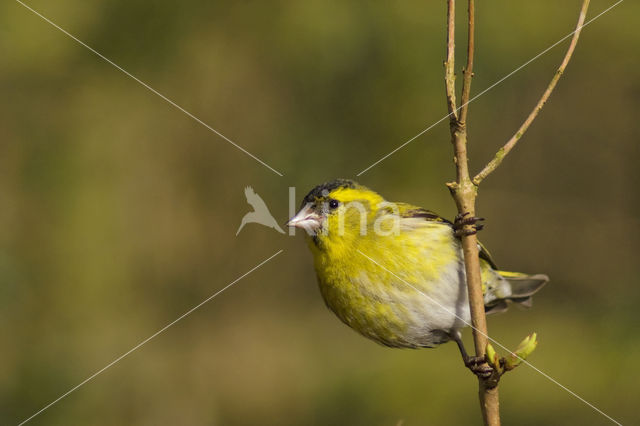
x,y
468,70
502,152
449,71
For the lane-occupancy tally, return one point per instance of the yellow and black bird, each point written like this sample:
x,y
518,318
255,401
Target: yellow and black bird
x,y
394,272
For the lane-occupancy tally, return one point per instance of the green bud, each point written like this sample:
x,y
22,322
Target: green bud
x,y
524,349
493,359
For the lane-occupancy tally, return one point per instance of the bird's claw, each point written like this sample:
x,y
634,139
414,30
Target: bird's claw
x,y
479,366
461,221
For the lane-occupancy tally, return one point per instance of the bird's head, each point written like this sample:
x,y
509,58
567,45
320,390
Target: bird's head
x,y
337,209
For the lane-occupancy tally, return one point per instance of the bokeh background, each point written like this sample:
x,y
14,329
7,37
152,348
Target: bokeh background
x,y
118,212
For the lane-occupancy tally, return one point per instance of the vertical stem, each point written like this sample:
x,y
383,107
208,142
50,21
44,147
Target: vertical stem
x,y
468,70
490,404
464,192
449,71
464,189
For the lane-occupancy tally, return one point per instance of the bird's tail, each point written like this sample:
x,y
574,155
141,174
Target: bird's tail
x,y
522,287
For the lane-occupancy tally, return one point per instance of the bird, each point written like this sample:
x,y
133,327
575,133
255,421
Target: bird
x,y
394,272
260,213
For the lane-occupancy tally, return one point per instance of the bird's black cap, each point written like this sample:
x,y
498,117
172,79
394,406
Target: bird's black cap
x,y
323,189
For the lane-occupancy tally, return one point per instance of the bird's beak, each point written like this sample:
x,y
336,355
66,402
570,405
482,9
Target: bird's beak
x,y
306,219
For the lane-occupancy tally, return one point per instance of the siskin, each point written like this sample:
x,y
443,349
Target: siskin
x,y
394,272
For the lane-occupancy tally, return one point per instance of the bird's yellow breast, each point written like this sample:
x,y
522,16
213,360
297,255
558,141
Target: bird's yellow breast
x,y
357,283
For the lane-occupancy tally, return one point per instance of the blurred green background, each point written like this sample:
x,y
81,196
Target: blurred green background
x,y
118,212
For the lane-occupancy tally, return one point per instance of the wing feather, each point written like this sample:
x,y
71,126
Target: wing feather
x,y
409,211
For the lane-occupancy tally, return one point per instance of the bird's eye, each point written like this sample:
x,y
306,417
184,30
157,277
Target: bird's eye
x,y
333,204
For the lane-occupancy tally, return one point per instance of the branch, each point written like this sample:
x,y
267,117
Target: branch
x,y
468,71
449,72
502,152
464,193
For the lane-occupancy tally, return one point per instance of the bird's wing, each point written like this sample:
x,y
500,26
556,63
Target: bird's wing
x,y
409,211
484,254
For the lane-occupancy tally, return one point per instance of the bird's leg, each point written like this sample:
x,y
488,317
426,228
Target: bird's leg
x,y
477,364
461,221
